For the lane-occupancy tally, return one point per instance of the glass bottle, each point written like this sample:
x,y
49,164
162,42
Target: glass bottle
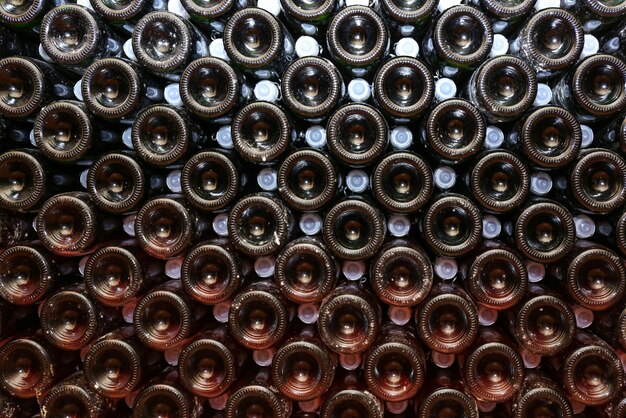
x,y
505,15
540,395
596,16
443,393
23,181
211,15
124,14
258,394
163,395
73,394
23,14
407,17
349,396
309,18
26,274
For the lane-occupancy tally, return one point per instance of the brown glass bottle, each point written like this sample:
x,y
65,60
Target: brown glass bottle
x,y
610,325
445,393
14,43
357,134
447,321
73,394
115,88
27,84
164,43
117,363
211,89
452,225
70,319
212,363
307,180
117,275
544,231
22,180
259,224
497,277
542,323
257,43
15,229
164,317
305,270
540,395
311,87
454,131
357,38
349,396
551,41
210,180
402,182
261,132
349,319
74,36
549,136
594,88
403,88
303,368
166,227
354,229
500,181
259,316
589,370
30,365
164,396
407,17
211,272
26,274
502,88
401,273
395,367
257,394
492,369
23,14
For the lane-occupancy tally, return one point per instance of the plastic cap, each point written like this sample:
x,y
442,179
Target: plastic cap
x,y
128,50
399,225
77,90
216,49
127,138
544,95
353,270
587,134
445,88
173,181
263,357
350,361
611,46
500,45
44,55
591,25
536,271
357,181
444,177
176,7
220,224
359,90
173,267
531,360
220,311
81,265
267,179
224,137
444,5
308,312
545,4
401,138
491,227
83,178
540,183
446,268
486,406
357,2
407,47
315,136
399,315
310,223
590,47
487,316
171,92
307,46
442,360
585,226
129,225
271,6
584,316
397,407
264,266
494,137
266,91
311,406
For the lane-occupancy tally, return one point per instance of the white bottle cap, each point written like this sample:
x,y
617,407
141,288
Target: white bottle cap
x,y
31,138
129,224
350,361
77,90
401,138
397,407
399,315
444,177
216,49
219,402
81,265
359,90
353,269
544,95
171,356
220,224
494,137
499,26
540,183
491,227
224,137
271,6
357,2
310,223
266,91
267,179
357,181
127,138
407,47
584,316
264,266
176,7
444,5
611,46
536,271
307,46
590,47
44,55
128,50
399,225
173,181
487,316
173,266
310,406
443,360
315,136
308,312
220,311
545,4
585,226
500,45
531,360
445,88
446,268
587,134
263,358
83,178
171,93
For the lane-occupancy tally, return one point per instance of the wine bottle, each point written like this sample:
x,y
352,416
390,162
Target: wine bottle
x,y
26,274
23,14
164,395
540,395
258,394
597,16
123,14
505,15
609,325
23,180
73,394
407,18
15,229
309,18
350,396
211,16
445,392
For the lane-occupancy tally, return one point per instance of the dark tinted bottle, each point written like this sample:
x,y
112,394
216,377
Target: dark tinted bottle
x,y
308,18
15,228
13,43
595,15
23,14
73,394
443,392
124,14
540,394
212,15
504,15
258,393
164,395
23,180
407,17
349,395
26,274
